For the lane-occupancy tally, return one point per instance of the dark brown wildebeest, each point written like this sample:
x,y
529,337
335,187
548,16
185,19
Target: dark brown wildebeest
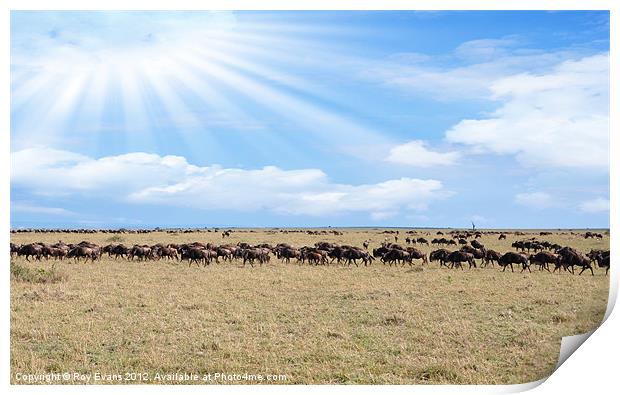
x,y
287,253
366,243
14,249
439,255
476,244
543,259
206,256
511,258
456,258
353,254
58,253
422,240
108,249
314,257
225,253
379,252
141,252
323,245
191,254
120,250
395,256
336,254
28,250
569,258
252,254
491,257
168,253
502,237
601,257
477,253
416,254
83,252
462,241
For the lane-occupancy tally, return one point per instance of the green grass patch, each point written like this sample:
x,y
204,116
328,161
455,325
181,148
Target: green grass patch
x,y
36,276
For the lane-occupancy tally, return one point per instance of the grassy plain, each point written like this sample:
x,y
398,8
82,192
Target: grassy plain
x,y
335,324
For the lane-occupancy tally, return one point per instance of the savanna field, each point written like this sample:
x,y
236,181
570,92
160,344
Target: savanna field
x,y
314,324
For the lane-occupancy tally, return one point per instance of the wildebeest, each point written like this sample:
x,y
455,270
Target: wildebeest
x,y
395,256
168,253
142,252
477,253
192,254
286,253
476,244
543,259
252,254
14,249
601,257
490,256
416,254
439,255
511,258
28,250
83,252
353,254
569,258
456,258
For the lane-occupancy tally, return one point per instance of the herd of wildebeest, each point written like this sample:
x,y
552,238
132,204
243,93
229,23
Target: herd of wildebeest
x,y
528,252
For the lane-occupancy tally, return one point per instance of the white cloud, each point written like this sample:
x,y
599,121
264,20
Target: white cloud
x,y
466,73
415,153
558,119
23,207
535,199
382,215
485,49
171,180
57,172
595,205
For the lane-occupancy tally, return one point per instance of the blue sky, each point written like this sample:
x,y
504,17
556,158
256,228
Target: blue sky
x,y
343,118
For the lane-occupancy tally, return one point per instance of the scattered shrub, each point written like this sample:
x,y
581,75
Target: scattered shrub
x,y
36,276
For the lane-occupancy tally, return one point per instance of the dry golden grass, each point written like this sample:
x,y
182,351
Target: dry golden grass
x,y
333,324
